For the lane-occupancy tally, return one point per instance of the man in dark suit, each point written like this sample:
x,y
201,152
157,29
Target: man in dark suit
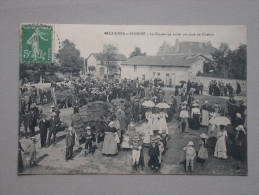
x,y
70,142
43,125
53,126
27,120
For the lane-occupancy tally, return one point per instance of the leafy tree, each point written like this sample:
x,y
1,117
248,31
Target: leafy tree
x,y
108,56
137,52
230,64
33,72
69,58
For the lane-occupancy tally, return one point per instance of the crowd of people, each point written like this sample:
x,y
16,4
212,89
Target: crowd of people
x,y
135,126
221,89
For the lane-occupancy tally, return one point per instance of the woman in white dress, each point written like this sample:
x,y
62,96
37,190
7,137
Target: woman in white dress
x,y
162,122
220,148
213,128
148,115
147,132
205,115
155,121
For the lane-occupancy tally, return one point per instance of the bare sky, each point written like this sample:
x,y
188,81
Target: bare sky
x,y
91,38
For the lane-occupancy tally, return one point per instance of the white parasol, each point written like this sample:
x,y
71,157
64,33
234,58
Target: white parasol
x,y
221,120
162,105
148,104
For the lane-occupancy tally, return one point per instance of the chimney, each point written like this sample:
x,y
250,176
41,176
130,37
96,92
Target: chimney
x,y
177,46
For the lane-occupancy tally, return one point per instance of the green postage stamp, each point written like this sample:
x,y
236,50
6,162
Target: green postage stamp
x,y
36,43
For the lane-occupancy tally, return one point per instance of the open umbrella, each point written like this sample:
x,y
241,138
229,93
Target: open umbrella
x,y
221,120
162,105
182,81
148,104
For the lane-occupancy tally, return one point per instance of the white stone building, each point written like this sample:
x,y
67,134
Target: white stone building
x,y
171,69
100,66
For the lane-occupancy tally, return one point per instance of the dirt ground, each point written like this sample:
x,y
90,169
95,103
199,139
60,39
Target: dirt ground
x,y
51,160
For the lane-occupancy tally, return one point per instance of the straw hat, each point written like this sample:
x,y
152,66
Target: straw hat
x,y
238,115
136,138
203,135
153,140
111,123
88,128
190,143
240,127
164,131
195,104
33,138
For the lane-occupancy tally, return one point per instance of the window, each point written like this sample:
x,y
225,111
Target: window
x,y
135,68
154,74
167,74
158,74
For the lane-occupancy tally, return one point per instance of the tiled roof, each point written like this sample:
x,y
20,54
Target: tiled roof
x,y
172,60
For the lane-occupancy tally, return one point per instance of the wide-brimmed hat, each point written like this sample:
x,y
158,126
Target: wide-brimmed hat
x,y
136,138
240,127
164,131
195,104
111,123
203,135
153,140
88,128
238,115
190,143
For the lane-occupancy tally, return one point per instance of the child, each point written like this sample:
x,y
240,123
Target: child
x,y
32,151
153,153
88,141
147,132
190,155
184,115
161,149
125,143
203,152
164,138
136,147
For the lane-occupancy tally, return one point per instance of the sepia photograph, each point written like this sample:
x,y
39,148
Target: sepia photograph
x,y
132,99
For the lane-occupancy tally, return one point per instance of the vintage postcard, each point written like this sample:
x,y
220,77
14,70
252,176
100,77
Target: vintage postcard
x,y
132,99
